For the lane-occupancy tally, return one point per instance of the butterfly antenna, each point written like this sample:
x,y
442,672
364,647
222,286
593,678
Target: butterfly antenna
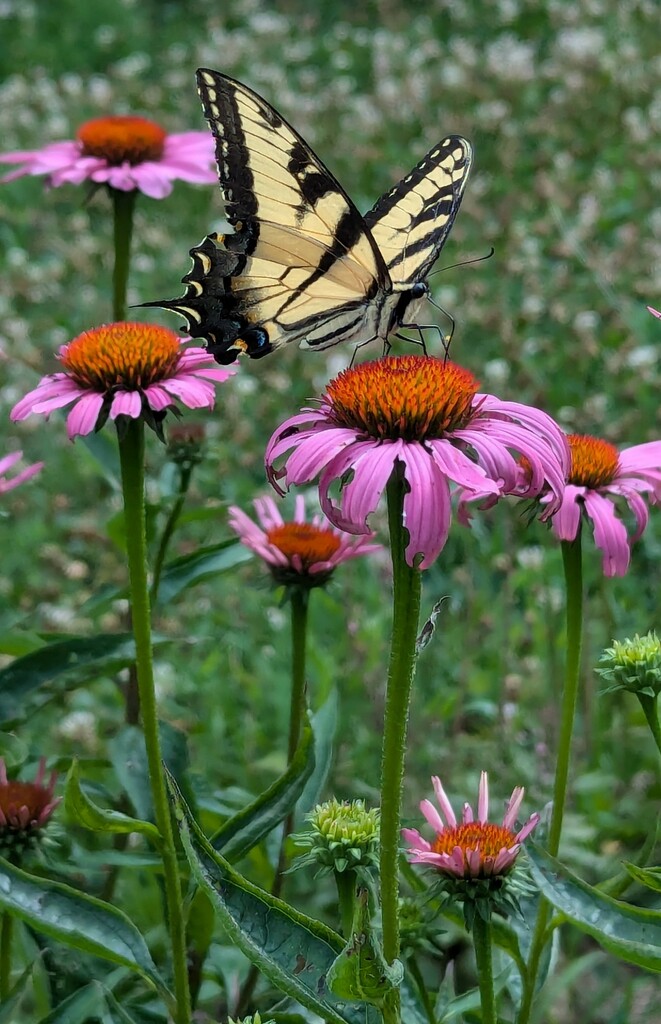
x,y
464,263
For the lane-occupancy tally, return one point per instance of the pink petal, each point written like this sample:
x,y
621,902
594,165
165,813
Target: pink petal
x,y
532,823
483,798
443,802
654,312
194,393
372,464
610,534
413,837
9,461
432,815
427,507
126,403
84,416
567,519
513,807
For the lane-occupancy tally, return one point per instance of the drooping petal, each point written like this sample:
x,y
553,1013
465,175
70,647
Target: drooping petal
x,y
610,533
567,519
427,507
126,403
372,465
432,815
85,414
513,807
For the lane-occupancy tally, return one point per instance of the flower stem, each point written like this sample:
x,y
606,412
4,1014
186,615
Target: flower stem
x,y
573,567
482,944
185,473
650,706
131,452
298,600
123,207
6,930
346,882
401,668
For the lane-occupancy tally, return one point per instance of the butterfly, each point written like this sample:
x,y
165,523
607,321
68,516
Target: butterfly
x,y
302,264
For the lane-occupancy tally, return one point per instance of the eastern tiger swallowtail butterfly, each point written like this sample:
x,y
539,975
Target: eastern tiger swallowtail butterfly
x,y
302,264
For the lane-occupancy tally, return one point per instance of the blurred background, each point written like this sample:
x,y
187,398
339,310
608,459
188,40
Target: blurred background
x,y
562,102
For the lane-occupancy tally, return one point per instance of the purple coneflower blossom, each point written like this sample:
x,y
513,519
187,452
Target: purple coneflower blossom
x,y
296,551
472,848
424,417
7,463
25,807
600,474
124,369
127,153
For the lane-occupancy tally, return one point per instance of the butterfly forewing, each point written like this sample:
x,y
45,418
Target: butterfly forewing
x,y
411,222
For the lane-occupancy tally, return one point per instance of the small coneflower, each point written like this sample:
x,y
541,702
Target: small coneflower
x,y
25,808
124,370
125,152
343,836
425,417
8,462
472,857
297,552
598,475
474,847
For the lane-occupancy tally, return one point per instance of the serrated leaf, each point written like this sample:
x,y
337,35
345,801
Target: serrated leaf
x,y
631,933
86,813
246,829
292,950
78,920
186,571
32,681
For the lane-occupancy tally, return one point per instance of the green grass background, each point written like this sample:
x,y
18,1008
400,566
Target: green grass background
x,y
562,102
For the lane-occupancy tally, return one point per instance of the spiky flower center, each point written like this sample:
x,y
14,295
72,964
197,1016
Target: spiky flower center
x,y
122,139
348,821
22,805
594,463
312,544
409,397
127,355
471,836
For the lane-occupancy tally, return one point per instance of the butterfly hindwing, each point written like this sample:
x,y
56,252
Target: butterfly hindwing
x,y
301,263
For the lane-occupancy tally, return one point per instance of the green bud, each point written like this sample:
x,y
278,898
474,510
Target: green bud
x,y
633,665
254,1019
343,836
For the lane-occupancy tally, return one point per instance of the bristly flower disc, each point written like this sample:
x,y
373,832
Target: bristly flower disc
x,y
124,369
422,417
25,808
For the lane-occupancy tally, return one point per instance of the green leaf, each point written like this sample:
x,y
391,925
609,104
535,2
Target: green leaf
x,y
324,727
649,877
88,1002
244,830
77,920
13,749
186,571
98,819
293,951
631,933
129,760
361,972
9,1006
34,680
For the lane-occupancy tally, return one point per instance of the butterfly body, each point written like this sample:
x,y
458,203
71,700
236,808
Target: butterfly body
x,y
302,264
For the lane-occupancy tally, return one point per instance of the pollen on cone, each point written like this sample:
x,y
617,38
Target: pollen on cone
x,y
122,139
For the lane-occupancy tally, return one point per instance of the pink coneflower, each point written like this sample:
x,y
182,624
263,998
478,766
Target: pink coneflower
x,y
297,552
127,153
598,475
7,463
423,417
25,808
124,369
471,848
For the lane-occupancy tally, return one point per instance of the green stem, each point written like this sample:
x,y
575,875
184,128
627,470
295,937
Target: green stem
x,y
482,944
346,882
6,923
185,473
298,600
401,668
650,706
123,207
131,452
573,567
423,991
